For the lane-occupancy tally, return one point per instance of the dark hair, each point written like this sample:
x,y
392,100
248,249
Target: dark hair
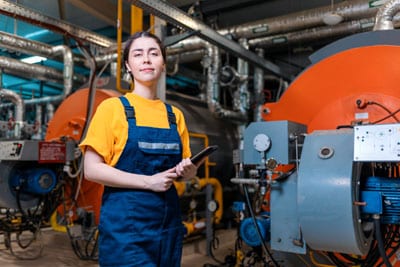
x,y
137,35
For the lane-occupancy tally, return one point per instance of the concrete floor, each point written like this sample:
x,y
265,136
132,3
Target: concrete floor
x,y
57,251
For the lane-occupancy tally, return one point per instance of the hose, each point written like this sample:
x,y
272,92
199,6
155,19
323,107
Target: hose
x,y
266,251
379,239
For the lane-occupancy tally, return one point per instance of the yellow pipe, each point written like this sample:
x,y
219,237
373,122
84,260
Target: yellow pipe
x,y
195,226
180,187
217,196
119,47
200,184
55,225
136,19
152,24
207,163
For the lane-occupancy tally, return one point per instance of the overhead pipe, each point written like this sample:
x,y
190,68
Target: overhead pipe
x,y
349,10
26,46
271,31
18,44
23,13
385,15
178,17
313,34
19,111
22,69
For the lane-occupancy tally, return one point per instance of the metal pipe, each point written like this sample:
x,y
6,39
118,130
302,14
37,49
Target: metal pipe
x,y
31,16
242,98
19,109
271,32
178,17
259,88
349,10
68,70
385,15
313,34
213,88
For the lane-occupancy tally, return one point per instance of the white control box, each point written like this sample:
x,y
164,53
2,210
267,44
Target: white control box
x,y
380,142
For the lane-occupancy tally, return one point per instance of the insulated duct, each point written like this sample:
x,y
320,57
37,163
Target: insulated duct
x,y
26,46
385,15
31,16
349,10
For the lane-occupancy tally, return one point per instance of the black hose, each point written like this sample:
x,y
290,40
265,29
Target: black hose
x,y
379,239
257,228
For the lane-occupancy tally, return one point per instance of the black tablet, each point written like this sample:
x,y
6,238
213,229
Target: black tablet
x,y
202,154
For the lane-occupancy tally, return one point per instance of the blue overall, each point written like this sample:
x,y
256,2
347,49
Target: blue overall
x,y
142,227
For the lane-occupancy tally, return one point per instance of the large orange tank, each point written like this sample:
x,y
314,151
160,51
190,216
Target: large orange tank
x,y
69,122
325,95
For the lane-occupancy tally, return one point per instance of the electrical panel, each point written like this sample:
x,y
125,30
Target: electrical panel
x,y
380,142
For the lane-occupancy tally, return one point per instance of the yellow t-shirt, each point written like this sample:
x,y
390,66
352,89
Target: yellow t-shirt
x,y
108,130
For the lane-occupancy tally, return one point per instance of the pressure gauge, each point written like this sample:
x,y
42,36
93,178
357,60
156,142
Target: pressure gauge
x,y
212,206
261,142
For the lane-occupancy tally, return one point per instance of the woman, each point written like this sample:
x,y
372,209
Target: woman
x,y
136,146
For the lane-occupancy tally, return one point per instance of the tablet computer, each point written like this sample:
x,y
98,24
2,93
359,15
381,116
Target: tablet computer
x,y
202,154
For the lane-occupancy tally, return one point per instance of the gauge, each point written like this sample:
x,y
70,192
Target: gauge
x,y
212,206
261,142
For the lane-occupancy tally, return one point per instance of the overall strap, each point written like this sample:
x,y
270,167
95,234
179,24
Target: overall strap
x,y
171,116
129,110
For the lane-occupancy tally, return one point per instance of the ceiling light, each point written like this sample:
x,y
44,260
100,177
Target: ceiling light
x,y
33,59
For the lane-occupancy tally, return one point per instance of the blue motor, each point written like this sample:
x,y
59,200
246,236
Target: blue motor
x,y
248,231
382,196
39,181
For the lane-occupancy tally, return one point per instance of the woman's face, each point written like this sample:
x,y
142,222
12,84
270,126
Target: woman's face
x,y
145,60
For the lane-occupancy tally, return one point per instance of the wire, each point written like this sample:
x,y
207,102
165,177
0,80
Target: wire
x,y
266,251
314,261
388,116
379,239
391,114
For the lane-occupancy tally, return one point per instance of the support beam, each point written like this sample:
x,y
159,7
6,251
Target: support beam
x,y
31,16
176,16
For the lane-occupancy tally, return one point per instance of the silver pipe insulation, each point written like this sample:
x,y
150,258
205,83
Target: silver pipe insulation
x,y
241,101
385,15
213,88
20,12
259,88
349,10
21,69
68,70
313,34
19,109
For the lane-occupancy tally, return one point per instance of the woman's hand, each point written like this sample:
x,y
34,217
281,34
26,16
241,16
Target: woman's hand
x,y
162,181
186,169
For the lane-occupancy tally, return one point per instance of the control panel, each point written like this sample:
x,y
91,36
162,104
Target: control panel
x,y
11,150
380,142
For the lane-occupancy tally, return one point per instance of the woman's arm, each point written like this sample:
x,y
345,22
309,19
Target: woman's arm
x,y
96,170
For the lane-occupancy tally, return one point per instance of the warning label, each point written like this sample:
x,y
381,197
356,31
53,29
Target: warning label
x,y
51,152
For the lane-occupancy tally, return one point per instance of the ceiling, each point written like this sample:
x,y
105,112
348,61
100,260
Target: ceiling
x,y
100,17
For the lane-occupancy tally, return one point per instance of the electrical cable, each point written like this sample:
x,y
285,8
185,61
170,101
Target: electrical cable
x,y
384,108
386,117
265,249
381,246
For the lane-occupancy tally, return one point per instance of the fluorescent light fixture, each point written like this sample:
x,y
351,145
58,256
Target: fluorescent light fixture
x,y
33,59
